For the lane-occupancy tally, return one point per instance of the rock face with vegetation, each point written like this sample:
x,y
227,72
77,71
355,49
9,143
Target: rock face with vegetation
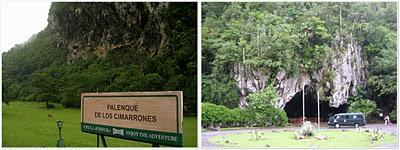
x,y
349,69
106,47
343,71
334,48
86,28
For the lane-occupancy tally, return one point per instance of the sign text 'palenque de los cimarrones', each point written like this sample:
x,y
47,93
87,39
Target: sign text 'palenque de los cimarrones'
x,y
125,116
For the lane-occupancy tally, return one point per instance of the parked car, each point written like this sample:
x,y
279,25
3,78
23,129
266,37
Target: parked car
x,y
347,119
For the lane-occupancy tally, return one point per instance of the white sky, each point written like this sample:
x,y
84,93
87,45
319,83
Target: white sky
x,y
20,19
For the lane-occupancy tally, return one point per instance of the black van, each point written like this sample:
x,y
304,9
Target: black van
x,y
347,119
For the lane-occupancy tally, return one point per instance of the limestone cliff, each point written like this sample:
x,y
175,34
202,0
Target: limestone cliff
x,y
85,28
342,72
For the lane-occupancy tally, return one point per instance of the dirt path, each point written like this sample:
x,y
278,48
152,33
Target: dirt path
x,y
207,135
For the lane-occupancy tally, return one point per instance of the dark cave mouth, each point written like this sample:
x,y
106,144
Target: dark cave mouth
x,y
294,108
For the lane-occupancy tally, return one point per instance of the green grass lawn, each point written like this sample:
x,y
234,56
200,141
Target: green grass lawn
x,y
26,124
286,139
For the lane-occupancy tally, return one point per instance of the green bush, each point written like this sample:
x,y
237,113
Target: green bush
x,y
207,114
265,97
363,105
262,104
269,115
281,118
241,117
214,115
393,115
220,116
261,112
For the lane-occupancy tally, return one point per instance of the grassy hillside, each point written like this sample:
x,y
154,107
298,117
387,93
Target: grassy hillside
x,y
27,124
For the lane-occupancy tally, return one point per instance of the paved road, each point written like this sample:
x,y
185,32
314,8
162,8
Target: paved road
x,y
390,130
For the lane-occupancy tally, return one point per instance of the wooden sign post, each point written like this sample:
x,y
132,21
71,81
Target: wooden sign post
x,y
152,117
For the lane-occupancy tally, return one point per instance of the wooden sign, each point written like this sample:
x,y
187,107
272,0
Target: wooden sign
x,y
152,117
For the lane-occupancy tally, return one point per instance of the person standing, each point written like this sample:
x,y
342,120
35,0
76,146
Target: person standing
x,y
387,121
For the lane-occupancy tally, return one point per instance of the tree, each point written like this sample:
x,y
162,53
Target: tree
x,y
221,92
365,106
263,105
44,87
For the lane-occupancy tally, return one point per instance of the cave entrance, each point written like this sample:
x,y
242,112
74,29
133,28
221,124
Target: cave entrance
x,y
294,108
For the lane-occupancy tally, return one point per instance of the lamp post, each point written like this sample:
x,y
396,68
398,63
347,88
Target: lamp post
x,y
60,142
304,117
319,121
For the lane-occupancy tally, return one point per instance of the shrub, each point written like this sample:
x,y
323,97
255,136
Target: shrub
x,y
281,118
262,104
307,129
218,115
214,114
237,118
376,135
248,117
266,96
393,115
363,105
261,112
242,117
269,115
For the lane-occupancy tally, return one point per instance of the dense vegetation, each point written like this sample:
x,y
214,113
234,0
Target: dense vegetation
x,y
216,116
38,70
296,37
363,105
261,112
220,116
